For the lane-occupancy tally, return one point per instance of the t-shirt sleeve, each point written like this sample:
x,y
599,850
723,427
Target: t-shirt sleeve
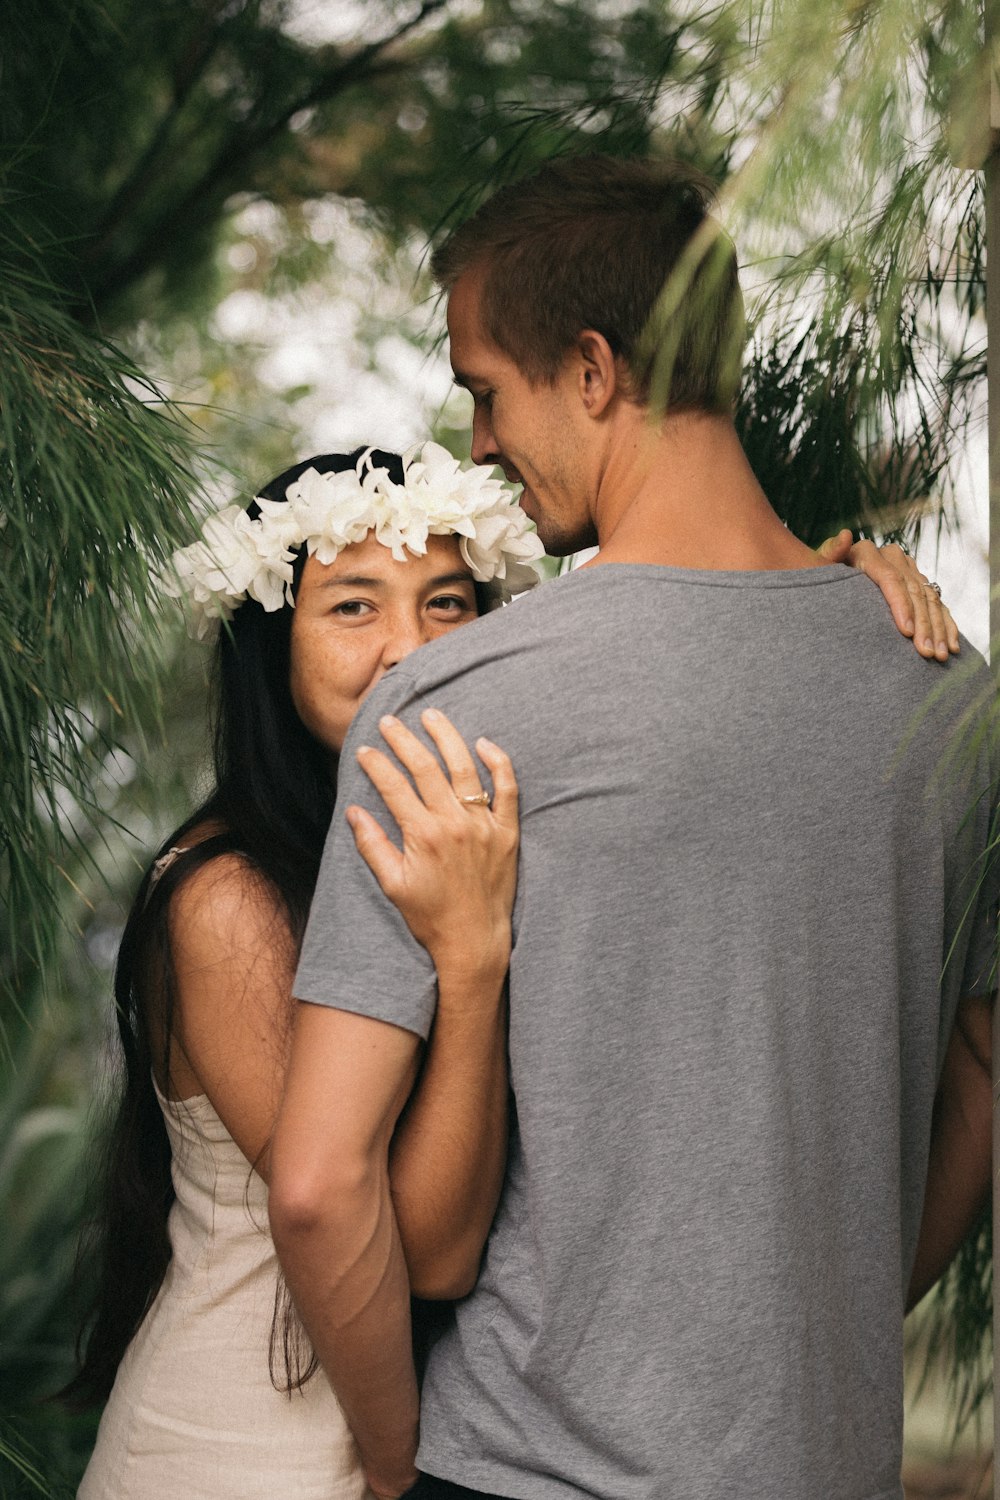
x,y
358,954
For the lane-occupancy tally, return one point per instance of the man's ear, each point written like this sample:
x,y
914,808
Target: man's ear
x,y
598,375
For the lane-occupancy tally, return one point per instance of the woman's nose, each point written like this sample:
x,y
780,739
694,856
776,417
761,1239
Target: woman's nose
x,y
405,636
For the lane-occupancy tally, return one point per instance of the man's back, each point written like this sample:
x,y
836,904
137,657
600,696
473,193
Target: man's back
x,y
726,1024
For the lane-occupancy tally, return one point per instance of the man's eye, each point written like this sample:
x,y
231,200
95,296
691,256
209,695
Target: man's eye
x,y
483,400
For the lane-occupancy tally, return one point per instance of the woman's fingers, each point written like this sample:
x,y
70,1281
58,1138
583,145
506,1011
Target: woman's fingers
x,y
422,764
376,848
465,777
497,762
836,549
915,604
461,776
935,632
391,785
438,789
884,566
943,630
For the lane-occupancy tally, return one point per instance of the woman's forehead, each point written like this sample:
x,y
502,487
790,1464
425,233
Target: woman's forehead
x,y
370,559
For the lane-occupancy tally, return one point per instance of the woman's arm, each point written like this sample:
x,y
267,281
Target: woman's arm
x,y
446,1163
234,961
454,884
959,1170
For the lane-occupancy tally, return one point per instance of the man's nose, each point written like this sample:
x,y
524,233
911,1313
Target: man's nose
x,y
484,444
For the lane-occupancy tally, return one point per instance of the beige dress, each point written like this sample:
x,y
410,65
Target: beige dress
x,y
193,1412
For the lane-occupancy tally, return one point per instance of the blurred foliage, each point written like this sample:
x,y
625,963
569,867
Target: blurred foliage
x,y
955,1324
43,1160
95,491
138,123
167,122
242,201
883,378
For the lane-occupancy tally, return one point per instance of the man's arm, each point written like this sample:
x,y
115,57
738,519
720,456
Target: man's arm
x,y
335,1231
959,1170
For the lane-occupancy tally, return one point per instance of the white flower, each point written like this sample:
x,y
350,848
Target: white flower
x,y
328,512
237,557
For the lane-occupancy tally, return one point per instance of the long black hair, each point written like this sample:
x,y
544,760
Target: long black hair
x,y
271,803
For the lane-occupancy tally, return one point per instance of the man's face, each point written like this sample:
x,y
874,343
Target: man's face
x,y
531,430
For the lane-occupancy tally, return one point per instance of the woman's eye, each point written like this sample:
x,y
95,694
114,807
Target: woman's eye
x,y
483,400
451,604
351,609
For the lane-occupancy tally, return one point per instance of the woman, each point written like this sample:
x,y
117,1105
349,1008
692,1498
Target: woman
x,y
377,556
187,1299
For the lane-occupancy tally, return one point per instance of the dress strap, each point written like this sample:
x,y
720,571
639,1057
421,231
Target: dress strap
x,y
162,865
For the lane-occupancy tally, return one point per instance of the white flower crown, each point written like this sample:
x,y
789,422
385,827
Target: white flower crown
x,y
239,557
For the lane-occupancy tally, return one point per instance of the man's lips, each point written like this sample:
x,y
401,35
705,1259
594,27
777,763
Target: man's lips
x,y
510,473
513,477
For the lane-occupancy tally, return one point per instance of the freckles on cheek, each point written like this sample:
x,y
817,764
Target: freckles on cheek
x,y
328,693
307,678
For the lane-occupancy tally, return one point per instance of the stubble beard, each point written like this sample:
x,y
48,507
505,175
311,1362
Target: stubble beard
x,y
563,541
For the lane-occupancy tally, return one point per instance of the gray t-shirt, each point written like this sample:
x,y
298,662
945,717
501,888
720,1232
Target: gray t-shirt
x,y
752,825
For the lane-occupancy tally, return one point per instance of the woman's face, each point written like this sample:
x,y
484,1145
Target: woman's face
x,y
359,615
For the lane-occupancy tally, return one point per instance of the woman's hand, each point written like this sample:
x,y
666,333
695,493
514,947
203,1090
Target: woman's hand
x,y
455,877
914,603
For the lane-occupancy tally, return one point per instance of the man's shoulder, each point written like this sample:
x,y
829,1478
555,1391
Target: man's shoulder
x,y
492,639
865,629
962,684
939,717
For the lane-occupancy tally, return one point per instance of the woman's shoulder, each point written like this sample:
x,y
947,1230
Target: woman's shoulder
x,y
231,959
220,895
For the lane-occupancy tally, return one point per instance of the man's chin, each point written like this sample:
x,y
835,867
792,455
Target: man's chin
x,y
558,542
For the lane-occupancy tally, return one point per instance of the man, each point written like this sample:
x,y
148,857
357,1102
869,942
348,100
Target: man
x,y
743,870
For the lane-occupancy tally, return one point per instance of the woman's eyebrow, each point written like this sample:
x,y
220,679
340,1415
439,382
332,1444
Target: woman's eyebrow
x,y
460,575
352,581
359,581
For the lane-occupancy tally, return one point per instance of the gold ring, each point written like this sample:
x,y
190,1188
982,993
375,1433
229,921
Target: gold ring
x,y
476,799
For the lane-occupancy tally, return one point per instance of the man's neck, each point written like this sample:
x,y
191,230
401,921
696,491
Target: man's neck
x,y
683,495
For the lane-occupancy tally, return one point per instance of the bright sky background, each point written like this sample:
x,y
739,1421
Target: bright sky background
x,y
961,564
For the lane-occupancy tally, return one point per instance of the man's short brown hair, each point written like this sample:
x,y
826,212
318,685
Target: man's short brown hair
x,y
624,246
